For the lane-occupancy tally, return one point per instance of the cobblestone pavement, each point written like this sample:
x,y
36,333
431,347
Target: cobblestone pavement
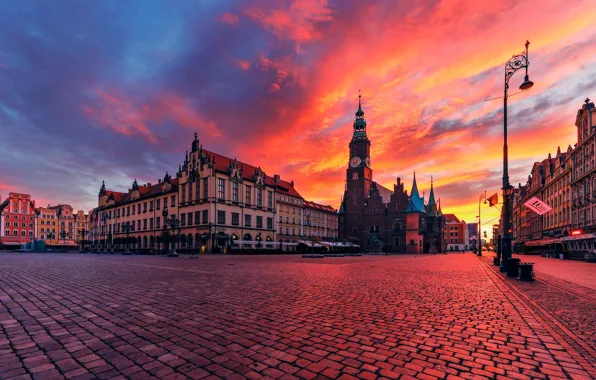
x,y
445,316
576,271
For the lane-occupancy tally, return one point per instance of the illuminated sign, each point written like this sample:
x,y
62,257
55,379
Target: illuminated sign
x,y
576,232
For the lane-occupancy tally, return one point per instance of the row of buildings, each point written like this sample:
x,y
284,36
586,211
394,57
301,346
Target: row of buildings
x,y
567,183
214,203
22,223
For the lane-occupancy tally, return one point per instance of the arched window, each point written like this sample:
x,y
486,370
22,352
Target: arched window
x,y
183,241
248,237
151,242
139,242
144,241
189,240
234,236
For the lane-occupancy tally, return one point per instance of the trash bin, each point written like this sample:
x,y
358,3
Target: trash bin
x,y
525,271
512,267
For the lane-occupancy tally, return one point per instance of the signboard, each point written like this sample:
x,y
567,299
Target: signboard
x,y
537,206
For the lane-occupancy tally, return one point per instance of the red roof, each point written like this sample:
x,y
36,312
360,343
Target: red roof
x,y
222,164
319,207
450,218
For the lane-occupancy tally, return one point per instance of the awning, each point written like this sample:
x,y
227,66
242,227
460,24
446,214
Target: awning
x,y
541,242
578,237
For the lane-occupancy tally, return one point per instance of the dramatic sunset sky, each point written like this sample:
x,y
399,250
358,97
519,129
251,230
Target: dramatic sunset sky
x,y
114,90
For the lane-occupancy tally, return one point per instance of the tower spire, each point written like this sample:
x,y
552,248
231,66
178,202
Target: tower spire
x,y
432,204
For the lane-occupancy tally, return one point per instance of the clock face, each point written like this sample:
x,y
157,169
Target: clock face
x,y
355,161
367,162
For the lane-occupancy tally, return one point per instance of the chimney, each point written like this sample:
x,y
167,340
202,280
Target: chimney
x,y
276,178
148,184
159,181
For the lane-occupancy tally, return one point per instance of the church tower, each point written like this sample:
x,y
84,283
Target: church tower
x,y
358,178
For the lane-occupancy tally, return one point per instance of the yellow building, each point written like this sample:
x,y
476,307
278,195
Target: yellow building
x,y
47,225
65,231
81,227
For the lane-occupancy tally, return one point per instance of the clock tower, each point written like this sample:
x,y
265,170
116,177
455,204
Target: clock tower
x,y
358,177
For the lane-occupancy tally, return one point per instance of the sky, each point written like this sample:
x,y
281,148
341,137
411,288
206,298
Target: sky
x,y
115,90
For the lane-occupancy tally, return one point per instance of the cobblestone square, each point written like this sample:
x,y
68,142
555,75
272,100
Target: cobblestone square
x,y
83,316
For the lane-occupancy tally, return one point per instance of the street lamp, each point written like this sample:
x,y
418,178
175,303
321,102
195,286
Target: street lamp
x,y
83,232
174,224
51,236
63,236
515,63
126,229
480,198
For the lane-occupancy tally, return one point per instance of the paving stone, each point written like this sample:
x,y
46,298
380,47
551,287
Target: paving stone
x,y
284,317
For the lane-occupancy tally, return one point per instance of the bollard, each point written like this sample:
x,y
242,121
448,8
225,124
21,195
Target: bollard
x,y
512,265
525,271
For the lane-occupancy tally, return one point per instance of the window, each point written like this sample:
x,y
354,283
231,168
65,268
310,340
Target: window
x,y
190,191
221,217
259,197
15,224
235,219
248,195
42,230
189,219
139,224
23,225
247,220
259,222
173,201
183,220
197,217
158,204
139,208
269,223
7,224
293,231
151,223
150,205
183,193
287,231
205,215
198,189
221,185
281,219
158,222
270,199
234,191
144,224
128,211
205,190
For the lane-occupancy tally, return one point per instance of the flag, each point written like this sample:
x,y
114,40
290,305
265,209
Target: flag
x,y
493,200
537,206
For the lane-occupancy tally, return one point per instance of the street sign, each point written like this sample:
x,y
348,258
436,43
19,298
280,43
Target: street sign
x,y
537,206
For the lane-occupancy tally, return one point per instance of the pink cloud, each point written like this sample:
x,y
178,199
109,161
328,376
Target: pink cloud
x,y
229,18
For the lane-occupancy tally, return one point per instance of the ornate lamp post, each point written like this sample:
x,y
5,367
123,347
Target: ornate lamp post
x,y
174,224
51,236
515,63
63,236
480,198
126,229
83,232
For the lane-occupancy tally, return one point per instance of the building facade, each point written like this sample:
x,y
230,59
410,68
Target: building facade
x,y
66,225
290,214
320,222
455,233
379,219
81,227
17,218
583,183
48,225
